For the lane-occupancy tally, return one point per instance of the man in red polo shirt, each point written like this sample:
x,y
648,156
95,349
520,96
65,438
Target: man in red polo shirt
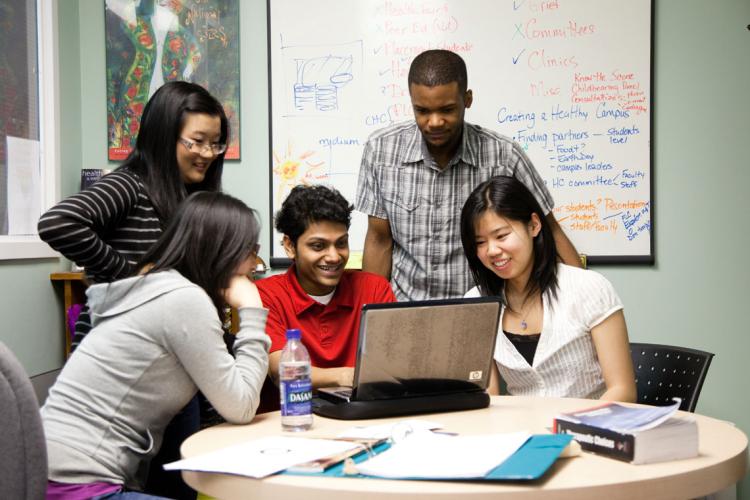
x,y
316,294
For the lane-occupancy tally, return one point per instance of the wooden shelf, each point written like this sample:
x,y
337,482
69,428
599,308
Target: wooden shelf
x,y
74,292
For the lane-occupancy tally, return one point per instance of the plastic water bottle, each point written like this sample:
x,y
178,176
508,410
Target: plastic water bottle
x,y
295,385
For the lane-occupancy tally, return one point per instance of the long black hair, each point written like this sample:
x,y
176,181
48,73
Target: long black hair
x,y
154,157
210,235
510,198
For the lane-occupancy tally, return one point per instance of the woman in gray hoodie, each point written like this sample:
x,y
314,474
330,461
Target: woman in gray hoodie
x,y
157,339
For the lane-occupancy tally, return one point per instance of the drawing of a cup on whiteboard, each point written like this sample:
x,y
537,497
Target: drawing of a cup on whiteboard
x,y
319,80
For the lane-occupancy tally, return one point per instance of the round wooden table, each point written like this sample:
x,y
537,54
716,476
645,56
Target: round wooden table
x,y
721,463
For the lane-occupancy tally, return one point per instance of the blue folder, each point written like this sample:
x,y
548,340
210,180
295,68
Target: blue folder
x,y
530,462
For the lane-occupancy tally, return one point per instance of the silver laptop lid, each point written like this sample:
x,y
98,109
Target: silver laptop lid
x,y
426,347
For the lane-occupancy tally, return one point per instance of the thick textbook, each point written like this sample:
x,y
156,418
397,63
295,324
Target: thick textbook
x,y
633,434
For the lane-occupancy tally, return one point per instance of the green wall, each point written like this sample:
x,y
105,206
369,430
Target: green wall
x,y
693,296
31,308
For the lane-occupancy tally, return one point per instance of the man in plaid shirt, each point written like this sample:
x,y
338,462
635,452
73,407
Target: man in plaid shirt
x,y
415,177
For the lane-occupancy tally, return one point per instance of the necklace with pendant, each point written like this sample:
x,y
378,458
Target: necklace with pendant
x,y
524,324
523,315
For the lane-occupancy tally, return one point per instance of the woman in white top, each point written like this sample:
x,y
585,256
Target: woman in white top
x,y
562,328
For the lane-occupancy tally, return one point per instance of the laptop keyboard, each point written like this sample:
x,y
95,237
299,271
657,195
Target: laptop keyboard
x,y
337,396
345,393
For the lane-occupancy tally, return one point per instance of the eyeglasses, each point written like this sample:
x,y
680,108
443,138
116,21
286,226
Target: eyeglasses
x,y
260,266
200,147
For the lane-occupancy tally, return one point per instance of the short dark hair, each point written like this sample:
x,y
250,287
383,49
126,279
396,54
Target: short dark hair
x,y
154,157
307,205
510,198
438,67
210,235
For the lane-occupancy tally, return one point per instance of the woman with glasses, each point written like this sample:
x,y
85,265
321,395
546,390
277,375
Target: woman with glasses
x,y
157,339
108,227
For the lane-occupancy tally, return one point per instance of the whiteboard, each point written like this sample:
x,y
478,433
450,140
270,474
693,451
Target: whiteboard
x,y
569,80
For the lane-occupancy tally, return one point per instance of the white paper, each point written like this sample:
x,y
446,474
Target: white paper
x,y
622,418
24,188
262,457
426,455
387,431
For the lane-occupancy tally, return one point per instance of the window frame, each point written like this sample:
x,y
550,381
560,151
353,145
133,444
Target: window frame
x,y
32,247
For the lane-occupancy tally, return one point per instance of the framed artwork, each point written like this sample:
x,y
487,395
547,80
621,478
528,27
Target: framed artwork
x,y
151,42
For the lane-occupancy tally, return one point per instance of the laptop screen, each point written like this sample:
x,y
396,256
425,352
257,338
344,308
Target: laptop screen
x,y
426,347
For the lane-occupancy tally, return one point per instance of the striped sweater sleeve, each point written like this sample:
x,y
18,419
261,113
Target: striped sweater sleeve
x,y
78,226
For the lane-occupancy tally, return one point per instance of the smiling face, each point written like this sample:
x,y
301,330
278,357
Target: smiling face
x,y
320,256
201,129
439,112
505,246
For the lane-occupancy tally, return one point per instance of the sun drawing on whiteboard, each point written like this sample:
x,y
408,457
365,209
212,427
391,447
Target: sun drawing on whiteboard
x,y
292,169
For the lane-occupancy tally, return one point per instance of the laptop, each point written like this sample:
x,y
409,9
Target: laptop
x,y
418,356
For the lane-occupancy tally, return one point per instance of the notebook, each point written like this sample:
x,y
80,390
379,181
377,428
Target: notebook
x,y
421,349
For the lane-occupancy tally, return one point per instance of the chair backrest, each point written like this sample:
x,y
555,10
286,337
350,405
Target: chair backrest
x,y
663,372
23,450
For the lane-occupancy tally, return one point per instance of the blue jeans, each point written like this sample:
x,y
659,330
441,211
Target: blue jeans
x,y
128,495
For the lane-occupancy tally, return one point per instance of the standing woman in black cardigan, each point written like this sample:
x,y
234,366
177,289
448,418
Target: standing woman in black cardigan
x,y
106,228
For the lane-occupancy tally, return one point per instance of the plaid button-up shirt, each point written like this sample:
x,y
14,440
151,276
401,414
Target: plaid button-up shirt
x,y
400,182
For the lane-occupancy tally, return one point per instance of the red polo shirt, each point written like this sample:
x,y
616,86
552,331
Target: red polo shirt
x,y
329,332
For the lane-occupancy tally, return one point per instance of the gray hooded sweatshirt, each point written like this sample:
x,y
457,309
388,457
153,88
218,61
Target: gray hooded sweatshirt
x,y
156,341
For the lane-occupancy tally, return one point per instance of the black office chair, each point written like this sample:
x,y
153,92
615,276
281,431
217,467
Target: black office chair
x,y
663,372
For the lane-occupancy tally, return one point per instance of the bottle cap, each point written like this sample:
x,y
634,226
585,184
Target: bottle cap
x,y
293,334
